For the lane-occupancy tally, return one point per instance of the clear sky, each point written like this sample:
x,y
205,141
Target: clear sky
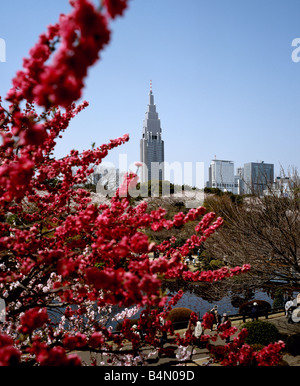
x,y
223,78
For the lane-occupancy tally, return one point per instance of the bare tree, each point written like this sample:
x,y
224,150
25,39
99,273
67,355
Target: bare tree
x,y
263,231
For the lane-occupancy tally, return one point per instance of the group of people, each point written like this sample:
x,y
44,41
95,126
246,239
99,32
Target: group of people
x,y
219,320
198,330
190,259
217,317
290,306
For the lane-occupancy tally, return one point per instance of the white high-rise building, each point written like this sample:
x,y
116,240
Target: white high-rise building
x,y
152,145
221,175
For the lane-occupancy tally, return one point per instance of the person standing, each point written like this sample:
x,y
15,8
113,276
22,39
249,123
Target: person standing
x,y
164,335
198,332
214,311
227,324
254,311
287,305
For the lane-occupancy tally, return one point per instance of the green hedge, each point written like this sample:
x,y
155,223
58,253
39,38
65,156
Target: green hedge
x,y
261,332
293,344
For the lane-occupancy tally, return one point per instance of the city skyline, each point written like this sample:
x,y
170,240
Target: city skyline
x,y
251,177
223,87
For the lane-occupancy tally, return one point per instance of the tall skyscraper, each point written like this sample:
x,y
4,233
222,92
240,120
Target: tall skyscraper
x,y
151,144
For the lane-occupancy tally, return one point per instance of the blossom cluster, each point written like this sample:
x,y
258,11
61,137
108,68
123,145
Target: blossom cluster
x,y
9,354
52,77
127,313
81,35
219,274
239,353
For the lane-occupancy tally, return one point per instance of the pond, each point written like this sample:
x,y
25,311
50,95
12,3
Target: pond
x,y
201,306
201,299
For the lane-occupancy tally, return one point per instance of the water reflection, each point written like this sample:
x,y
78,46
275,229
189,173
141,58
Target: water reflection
x,y
200,298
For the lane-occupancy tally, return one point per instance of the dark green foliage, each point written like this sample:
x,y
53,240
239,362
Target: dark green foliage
x,y
236,198
263,307
179,314
278,299
261,332
293,344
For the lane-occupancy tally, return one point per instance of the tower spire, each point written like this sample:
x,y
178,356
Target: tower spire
x,y
151,144
151,100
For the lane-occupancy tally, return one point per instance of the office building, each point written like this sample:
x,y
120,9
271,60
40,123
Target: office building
x,y
239,181
221,175
257,177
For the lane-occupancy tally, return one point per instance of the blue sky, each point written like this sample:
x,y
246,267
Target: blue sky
x,y
223,78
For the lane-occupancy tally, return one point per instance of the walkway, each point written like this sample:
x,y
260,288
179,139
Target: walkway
x,y
202,355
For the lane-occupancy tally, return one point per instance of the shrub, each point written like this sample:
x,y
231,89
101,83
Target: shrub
x,y
179,314
293,344
257,346
263,307
283,363
261,332
216,264
278,299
